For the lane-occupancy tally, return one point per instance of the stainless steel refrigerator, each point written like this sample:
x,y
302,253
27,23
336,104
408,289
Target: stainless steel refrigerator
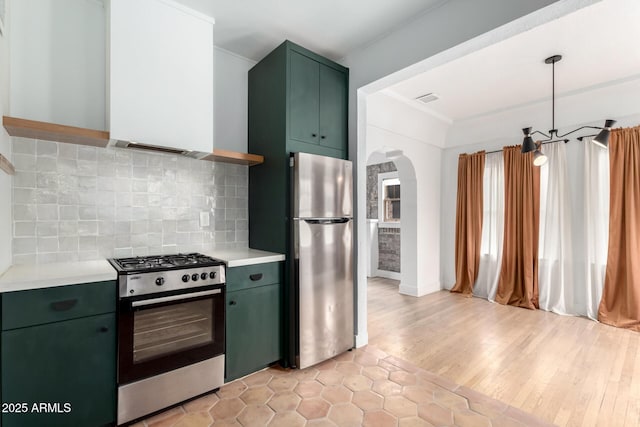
x,y
323,257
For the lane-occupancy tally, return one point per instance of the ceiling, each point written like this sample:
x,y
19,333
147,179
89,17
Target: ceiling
x,y
599,45
486,95
252,28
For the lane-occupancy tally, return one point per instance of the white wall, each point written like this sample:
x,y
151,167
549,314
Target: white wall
x,y
391,126
5,149
230,89
58,61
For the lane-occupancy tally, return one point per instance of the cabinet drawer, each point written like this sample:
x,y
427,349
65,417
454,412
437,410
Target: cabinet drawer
x,y
254,275
39,306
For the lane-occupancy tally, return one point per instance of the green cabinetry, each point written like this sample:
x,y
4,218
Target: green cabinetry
x,y
253,318
317,105
298,102
58,350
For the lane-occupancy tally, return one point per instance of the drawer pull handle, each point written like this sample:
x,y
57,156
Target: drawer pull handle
x,y
64,305
103,329
232,303
255,277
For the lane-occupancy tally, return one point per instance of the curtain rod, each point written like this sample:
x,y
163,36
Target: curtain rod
x,y
547,142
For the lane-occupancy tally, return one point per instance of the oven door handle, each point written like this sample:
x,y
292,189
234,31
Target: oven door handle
x,y
174,298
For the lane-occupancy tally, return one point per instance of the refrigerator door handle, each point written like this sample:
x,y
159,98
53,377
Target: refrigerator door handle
x,y
326,220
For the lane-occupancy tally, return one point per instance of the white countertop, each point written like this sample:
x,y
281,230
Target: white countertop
x,y
244,256
34,276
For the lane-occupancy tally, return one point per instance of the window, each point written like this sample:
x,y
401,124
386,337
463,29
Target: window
x,y
389,199
391,188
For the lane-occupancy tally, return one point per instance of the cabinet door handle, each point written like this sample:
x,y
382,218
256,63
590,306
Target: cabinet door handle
x,y
103,329
322,137
313,135
232,303
255,277
64,305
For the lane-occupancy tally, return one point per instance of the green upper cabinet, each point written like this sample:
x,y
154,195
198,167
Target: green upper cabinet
x,y
317,104
333,109
298,102
304,99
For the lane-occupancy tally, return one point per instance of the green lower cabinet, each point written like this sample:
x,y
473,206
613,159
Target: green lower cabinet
x,y
60,374
253,330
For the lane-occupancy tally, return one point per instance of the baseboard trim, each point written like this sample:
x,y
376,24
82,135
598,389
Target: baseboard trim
x,y
412,291
361,339
388,274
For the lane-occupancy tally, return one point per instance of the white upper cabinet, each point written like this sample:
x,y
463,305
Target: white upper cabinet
x,y
160,66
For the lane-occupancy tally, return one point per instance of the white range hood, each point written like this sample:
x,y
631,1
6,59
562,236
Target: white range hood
x,y
160,77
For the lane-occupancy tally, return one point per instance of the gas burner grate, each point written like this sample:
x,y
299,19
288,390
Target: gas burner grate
x,y
167,262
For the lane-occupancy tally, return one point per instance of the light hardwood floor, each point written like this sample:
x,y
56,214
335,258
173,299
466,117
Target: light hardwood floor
x,y
570,371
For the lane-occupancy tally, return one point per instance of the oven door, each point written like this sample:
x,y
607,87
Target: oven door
x,y
162,332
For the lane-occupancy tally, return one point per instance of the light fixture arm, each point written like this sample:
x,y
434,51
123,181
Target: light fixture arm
x,y
541,133
602,138
580,128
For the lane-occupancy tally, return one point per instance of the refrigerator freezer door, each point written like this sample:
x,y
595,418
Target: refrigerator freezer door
x,y
323,187
325,288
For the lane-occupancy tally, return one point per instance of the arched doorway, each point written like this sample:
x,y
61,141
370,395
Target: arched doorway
x,y
391,163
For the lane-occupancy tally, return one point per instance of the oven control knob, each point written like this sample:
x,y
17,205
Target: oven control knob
x,y
212,275
203,276
160,281
194,277
185,278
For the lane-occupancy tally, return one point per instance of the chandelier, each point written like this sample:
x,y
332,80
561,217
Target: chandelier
x,y
602,139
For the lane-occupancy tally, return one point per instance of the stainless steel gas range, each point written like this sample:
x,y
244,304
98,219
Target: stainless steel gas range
x,y
171,317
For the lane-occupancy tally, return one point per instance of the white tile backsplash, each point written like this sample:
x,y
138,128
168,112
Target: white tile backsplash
x,y
81,203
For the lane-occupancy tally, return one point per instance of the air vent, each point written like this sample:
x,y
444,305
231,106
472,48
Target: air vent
x,y
138,146
430,97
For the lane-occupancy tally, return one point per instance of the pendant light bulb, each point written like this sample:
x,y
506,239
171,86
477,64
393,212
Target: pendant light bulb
x,y
539,158
602,139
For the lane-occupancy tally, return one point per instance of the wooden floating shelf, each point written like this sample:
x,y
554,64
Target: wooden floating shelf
x,y
234,157
54,132
6,165
98,138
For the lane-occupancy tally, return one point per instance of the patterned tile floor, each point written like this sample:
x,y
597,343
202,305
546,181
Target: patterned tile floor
x,y
363,387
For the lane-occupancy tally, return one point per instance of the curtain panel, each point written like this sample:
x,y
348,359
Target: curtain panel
x,y
468,220
492,228
620,304
555,257
518,283
596,225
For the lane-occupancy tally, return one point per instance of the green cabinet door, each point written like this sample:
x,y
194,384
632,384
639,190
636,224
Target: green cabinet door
x,y
253,330
70,362
333,108
303,98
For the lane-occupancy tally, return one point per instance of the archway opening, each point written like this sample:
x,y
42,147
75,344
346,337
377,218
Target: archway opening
x,y
392,218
